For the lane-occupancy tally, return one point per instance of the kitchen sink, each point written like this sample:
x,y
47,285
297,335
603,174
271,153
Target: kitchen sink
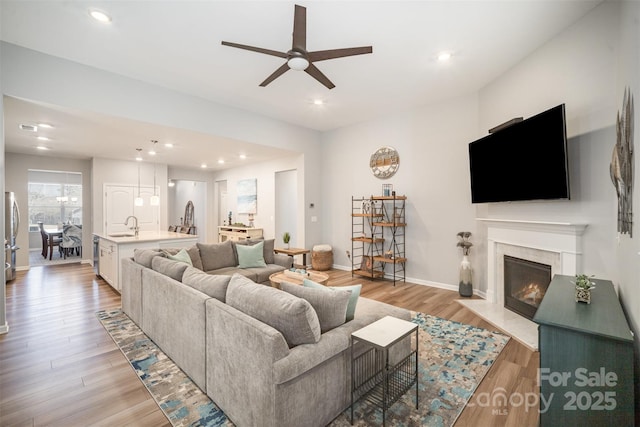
x,y
121,235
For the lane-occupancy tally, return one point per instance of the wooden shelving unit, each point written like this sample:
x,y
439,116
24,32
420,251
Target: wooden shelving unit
x,y
378,237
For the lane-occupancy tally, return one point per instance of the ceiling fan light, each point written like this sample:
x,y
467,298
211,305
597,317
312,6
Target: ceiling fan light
x,y
298,63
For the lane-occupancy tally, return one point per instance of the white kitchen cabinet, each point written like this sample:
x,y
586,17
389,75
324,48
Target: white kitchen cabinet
x,y
107,265
113,249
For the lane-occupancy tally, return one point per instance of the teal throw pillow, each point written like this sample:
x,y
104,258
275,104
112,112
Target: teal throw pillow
x,y
182,256
353,299
251,256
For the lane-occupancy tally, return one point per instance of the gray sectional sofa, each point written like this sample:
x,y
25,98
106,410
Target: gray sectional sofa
x,y
265,356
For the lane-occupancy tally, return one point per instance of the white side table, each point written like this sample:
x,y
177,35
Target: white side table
x,y
373,376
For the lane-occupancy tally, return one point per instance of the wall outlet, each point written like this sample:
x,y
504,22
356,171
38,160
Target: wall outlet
x,y
314,219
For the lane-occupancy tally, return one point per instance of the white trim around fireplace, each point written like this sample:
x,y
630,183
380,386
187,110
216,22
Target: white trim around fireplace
x,y
558,244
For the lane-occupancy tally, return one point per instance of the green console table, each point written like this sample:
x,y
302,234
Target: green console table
x,y
586,357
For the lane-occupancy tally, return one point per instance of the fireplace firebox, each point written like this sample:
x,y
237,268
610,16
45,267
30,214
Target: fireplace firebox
x,y
525,283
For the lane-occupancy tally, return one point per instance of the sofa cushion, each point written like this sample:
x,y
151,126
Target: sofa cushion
x,y
249,273
213,285
173,269
261,275
353,300
217,255
250,256
144,256
330,305
268,247
181,256
293,317
194,254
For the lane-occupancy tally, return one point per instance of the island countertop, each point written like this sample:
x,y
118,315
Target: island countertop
x,y
145,236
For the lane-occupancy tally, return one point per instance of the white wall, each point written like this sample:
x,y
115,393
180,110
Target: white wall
x,y
4,327
109,171
627,250
433,174
265,175
579,68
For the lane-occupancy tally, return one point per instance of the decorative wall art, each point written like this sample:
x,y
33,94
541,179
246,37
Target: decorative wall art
x,y
621,168
384,163
247,196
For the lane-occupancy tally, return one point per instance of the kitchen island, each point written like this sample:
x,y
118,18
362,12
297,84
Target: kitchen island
x,y
113,248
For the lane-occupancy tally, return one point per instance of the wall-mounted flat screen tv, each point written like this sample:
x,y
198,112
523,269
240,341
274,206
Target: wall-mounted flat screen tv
x,y
524,161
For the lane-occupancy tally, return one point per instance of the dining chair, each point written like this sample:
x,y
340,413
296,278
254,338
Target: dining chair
x,y
45,240
71,240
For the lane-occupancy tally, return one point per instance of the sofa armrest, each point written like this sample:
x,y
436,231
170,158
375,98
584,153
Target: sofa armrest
x,y
132,290
241,352
283,260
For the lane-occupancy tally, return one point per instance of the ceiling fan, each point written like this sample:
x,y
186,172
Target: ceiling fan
x,y
298,58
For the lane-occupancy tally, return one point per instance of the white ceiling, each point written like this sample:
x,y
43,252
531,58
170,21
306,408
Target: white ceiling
x,y
177,45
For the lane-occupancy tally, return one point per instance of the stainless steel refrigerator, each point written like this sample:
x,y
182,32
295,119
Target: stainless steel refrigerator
x,y
11,226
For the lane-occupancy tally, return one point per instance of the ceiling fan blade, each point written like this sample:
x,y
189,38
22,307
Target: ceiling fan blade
x,y
256,49
322,55
313,71
277,73
300,29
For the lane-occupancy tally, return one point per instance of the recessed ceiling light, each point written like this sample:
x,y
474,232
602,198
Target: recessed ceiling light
x,y
43,138
99,16
42,147
45,125
203,166
168,145
221,162
243,156
444,56
318,102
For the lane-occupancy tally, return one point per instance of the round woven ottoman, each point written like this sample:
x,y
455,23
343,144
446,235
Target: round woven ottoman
x,y
322,257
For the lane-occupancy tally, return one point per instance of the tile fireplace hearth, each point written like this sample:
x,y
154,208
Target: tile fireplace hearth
x,y
555,244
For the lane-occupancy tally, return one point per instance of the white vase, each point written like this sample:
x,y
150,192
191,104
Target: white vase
x,y
465,287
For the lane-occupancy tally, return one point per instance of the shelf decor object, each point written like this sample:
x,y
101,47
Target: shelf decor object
x,y
584,284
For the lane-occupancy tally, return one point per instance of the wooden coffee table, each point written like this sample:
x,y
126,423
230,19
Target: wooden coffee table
x,y
277,278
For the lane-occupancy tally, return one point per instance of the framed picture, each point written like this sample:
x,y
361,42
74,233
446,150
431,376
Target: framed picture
x,y
247,196
367,263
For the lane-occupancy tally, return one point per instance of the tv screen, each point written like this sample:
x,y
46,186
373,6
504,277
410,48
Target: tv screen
x,y
525,161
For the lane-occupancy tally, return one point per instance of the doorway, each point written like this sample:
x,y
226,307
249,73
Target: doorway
x,y
54,200
286,211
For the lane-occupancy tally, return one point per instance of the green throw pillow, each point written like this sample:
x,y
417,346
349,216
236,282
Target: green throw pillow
x,y
182,256
250,256
353,299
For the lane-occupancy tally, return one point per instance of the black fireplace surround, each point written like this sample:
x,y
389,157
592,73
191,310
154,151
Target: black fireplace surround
x,y
525,283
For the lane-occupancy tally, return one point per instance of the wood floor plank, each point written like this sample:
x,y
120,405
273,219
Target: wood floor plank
x,y
58,366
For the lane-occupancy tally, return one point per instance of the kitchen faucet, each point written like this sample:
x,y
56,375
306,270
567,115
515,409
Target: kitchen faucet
x,y
135,227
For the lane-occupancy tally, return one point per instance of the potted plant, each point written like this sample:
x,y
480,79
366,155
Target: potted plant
x,y
584,284
285,238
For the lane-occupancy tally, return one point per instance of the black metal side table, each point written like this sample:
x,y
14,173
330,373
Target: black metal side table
x,y
376,378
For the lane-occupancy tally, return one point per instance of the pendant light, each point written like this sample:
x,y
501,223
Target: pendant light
x,y
155,199
138,200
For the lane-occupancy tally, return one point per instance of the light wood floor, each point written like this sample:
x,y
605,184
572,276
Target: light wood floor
x,y
58,366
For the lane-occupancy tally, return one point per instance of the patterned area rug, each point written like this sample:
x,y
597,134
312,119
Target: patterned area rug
x,y
453,359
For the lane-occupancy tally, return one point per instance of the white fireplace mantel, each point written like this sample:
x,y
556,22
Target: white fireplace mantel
x,y
563,238
560,244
